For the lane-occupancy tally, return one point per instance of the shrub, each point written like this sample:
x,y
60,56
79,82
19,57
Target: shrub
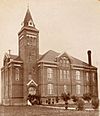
x,y
87,96
95,103
65,96
74,98
80,104
34,99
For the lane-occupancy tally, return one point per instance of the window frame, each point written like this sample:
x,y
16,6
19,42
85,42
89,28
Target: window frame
x,y
50,88
78,75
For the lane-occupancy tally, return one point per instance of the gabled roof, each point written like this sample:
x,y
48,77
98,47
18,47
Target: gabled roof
x,y
49,56
32,83
52,55
13,57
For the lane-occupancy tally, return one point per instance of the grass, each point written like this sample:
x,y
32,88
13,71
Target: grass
x,y
41,111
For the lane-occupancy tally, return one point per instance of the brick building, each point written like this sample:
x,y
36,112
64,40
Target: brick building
x,y
48,75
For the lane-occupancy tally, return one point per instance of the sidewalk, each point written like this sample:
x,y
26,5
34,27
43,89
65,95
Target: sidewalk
x,y
69,108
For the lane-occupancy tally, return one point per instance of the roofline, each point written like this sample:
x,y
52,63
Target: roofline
x,y
43,61
28,28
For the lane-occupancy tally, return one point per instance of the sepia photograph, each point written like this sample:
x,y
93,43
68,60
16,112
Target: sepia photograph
x,y
49,57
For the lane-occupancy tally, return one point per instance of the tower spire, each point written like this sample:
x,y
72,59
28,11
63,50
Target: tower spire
x,y
28,21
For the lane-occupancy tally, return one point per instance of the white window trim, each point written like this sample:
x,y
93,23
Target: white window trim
x,y
49,73
78,75
50,89
78,89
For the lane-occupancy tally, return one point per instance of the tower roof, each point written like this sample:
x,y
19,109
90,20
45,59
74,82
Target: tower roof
x,y
28,21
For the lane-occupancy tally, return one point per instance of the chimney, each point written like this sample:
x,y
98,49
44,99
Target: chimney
x,y
89,57
9,51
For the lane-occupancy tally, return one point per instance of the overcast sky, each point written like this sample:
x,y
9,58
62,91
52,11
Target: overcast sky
x,y
72,26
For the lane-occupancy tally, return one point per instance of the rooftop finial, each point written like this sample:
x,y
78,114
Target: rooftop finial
x,y
27,4
9,52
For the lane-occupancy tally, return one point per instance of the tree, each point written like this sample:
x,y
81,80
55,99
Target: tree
x,y
95,103
78,101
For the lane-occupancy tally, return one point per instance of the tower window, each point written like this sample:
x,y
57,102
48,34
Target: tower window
x,y
30,23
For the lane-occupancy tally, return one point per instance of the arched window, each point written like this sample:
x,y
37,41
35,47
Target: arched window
x,y
68,74
77,75
65,74
30,23
87,76
50,88
65,88
60,74
78,89
93,77
49,73
17,74
67,63
64,62
87,89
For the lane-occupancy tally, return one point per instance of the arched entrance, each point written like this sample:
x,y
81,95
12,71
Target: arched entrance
x,y
33,97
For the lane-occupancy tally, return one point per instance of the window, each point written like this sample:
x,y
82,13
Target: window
x,y
78,89
68,74
87,89
30,23
64,74
87,76
61,62
50,88
64,62
60,74
49,73
77,75
67,61
65,88
17,74
94,90
93,76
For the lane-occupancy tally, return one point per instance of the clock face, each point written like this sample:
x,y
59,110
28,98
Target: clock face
x,y
31,41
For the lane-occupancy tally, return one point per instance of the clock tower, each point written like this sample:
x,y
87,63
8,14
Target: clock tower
x,y
28,51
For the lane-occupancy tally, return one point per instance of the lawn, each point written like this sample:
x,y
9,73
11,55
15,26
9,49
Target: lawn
x,y
42,111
